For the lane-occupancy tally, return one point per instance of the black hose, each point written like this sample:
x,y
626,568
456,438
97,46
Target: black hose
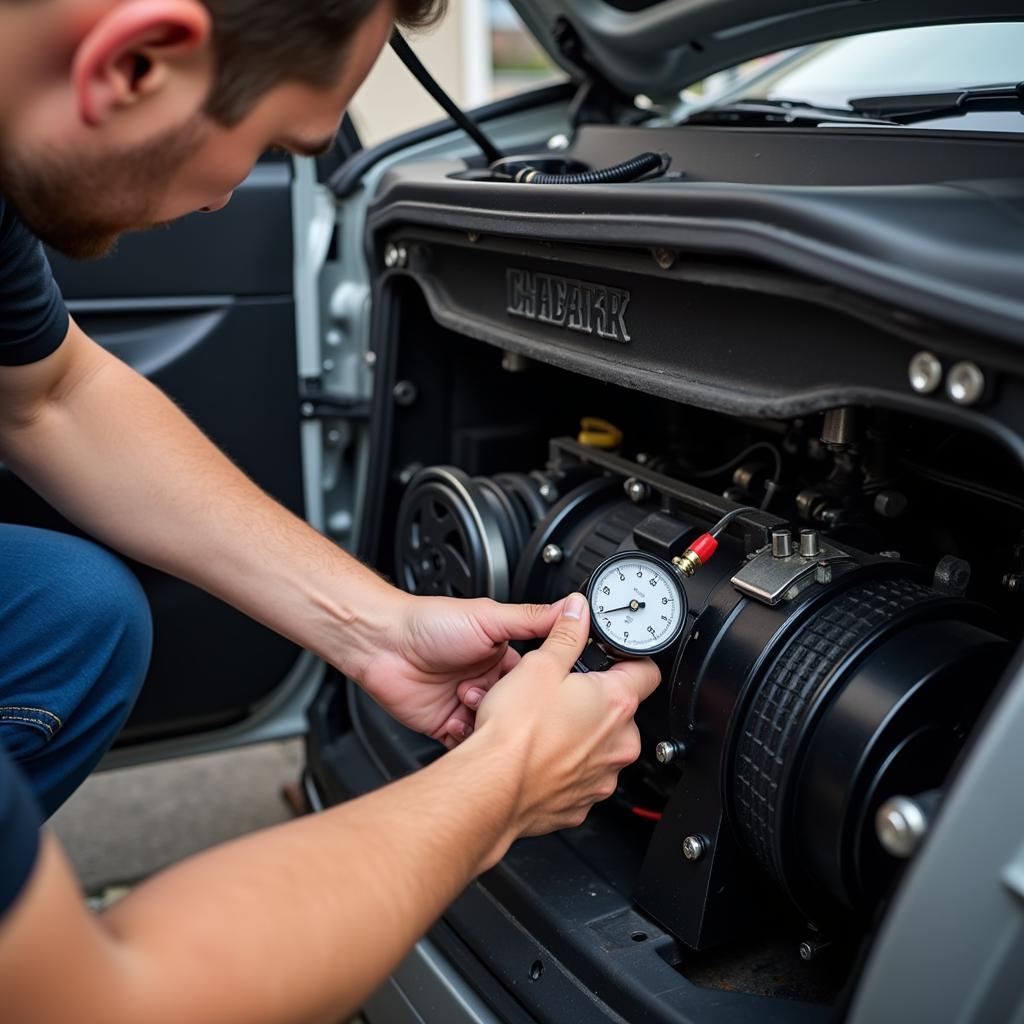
x,y
629,170
722,523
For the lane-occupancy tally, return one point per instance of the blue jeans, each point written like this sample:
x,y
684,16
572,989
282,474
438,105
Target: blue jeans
x,y
75,639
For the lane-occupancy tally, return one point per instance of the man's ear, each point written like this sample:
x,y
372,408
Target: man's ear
x,y
131,51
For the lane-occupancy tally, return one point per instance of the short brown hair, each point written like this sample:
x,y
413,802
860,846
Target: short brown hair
x,y
259,44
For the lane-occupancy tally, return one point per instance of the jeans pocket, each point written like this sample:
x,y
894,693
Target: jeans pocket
x,y
46,722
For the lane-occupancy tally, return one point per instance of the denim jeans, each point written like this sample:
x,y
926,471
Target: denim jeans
x,y
75,639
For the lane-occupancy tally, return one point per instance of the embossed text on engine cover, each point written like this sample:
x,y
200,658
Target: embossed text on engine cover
x,y
568,303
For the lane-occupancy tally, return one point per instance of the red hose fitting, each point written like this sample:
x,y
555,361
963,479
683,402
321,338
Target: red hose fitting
x,y
696,554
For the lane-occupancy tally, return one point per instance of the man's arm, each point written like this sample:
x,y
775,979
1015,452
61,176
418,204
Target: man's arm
x,y
300,923
114,455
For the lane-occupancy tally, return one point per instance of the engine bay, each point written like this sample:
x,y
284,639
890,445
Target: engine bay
x,y
547,402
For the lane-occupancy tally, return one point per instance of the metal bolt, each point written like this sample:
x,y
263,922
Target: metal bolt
x,y
558,141
665,258
900,825
782,543
823,572
693,848
890,504
965,383
548,492
395,256
668,750
328,365
406,474
1013,582
370,358
812,947
810,543
308,409
636,490
333,337
925,373
551,555
513,362
334,436
405,392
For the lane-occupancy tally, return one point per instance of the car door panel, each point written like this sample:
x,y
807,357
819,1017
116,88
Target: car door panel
x,y
205,310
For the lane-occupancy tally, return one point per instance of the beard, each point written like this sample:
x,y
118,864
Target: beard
x,y
81,206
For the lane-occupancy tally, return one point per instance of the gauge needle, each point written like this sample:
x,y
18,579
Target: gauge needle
x,y
633,606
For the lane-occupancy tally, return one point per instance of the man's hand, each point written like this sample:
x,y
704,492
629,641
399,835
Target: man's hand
x,y
439,656
192,944
569,734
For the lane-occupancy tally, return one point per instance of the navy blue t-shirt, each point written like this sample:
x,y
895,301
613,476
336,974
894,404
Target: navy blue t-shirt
x,y
20,819
33,323
33,319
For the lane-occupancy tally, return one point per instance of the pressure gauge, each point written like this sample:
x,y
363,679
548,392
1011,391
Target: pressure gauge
x,y
637,604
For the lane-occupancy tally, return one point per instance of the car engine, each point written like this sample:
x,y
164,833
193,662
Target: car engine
x,y
555,388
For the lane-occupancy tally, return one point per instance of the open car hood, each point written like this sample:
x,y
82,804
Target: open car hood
x,y
657,47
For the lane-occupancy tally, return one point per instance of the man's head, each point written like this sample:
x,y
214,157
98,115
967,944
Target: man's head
x,y
134,112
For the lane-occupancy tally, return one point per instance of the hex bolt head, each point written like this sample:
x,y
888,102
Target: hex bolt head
x,y
823,572
551,555
925,373
965,383
548,492
694,848
668,751
636,490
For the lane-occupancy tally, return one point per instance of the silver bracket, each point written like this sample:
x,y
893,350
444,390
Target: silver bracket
x,y
772,580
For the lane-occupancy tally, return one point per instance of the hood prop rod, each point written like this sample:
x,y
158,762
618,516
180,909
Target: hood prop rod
x,y
405,54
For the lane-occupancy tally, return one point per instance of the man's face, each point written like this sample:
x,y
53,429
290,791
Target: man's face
x,y
80,186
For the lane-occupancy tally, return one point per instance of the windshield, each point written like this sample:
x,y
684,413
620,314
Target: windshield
x,y
912,60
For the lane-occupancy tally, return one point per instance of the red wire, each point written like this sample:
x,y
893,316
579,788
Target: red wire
x,y
643,812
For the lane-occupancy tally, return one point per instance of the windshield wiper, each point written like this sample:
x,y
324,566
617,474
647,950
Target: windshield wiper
x,y
914,107
783,113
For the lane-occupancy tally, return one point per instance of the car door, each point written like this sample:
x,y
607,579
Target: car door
x,y
213,311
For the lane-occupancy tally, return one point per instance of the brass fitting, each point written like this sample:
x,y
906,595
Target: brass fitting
x,y
688,562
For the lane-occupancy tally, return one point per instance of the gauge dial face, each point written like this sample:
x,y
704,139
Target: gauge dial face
x,y
637,603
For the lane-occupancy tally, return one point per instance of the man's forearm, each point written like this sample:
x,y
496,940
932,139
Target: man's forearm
x,y
114,455
295,924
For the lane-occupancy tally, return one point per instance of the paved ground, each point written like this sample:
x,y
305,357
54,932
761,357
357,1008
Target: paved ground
x,y
122,826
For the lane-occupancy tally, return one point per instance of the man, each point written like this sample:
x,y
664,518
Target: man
x,y
124,113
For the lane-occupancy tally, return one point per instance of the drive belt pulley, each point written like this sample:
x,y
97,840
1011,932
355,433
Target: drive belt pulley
x,y
461,536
